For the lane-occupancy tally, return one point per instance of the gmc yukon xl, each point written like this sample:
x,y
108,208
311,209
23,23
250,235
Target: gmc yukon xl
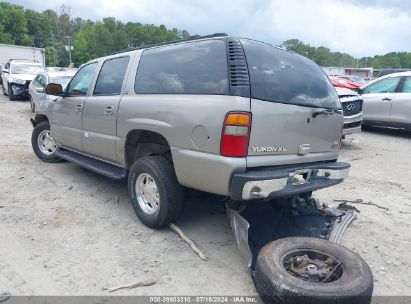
x,y
226,115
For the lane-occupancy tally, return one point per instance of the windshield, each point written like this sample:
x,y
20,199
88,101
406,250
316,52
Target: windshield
x,y
280,76
357,79
63,80
26,69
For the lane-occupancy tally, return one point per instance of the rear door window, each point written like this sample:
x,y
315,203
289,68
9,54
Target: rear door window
x,y
111,77
188,68
406,87
280,76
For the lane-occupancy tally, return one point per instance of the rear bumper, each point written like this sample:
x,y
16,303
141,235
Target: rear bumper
x,y
286,180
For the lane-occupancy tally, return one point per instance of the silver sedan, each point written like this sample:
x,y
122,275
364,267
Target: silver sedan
x,y
37,94
387,101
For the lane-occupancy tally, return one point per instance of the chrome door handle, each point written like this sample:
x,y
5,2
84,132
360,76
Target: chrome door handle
x,y
386,99
79,108
108,110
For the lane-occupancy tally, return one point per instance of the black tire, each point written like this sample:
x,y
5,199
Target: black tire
x,y
11,95
42,126
276,285
32,106
171,202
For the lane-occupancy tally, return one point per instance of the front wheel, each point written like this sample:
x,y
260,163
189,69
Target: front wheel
x,y
311,270
43,143
12,97
154,191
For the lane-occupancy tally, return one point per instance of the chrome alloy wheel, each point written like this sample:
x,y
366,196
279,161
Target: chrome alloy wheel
x,y
46,143
147,193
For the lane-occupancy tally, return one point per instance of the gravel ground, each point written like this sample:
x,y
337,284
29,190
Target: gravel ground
x,y
68,231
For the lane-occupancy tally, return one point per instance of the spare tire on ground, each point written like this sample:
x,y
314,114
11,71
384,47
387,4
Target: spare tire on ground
x,y
311,270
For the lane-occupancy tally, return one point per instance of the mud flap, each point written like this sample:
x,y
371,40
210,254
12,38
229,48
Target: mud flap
x,y
256,223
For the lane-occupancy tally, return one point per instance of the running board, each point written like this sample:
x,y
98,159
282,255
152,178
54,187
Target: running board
x,y
92,164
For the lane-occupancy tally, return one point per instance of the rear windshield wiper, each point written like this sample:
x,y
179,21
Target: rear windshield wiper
x,y
326,112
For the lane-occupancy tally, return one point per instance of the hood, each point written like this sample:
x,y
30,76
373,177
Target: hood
x,y
345,92
24,76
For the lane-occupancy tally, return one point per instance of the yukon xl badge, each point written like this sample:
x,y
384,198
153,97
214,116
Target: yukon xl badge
x,y
269,149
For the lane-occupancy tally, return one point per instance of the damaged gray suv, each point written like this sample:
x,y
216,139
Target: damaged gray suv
x,y
225,115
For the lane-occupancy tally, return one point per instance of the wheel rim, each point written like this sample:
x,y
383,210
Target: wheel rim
x,y
313,266
46,143
147,193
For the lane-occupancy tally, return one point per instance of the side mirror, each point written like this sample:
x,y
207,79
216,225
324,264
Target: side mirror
x,y
54,89
6,71
40,90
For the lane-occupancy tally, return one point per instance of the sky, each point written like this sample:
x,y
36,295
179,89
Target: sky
x,y
360,28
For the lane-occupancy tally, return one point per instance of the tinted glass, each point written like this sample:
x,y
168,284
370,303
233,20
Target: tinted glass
x,y
110,79
81,81
189,68
386,85
406,88
280,76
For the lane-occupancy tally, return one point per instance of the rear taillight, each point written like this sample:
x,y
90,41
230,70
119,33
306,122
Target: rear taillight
x,y
236,134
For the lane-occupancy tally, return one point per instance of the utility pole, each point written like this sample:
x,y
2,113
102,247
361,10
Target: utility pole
x,y
69,48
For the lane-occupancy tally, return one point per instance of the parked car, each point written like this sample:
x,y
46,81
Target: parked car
x,y
177,118
387,101
225,115
344,83
37,94
353,78
1,71
17,75
385,72
351,103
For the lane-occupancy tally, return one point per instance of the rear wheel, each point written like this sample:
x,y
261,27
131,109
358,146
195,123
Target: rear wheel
x,y
4,91
43,143
154,191
32,106
311,270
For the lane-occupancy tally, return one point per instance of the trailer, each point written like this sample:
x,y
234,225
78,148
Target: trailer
x,y
8,52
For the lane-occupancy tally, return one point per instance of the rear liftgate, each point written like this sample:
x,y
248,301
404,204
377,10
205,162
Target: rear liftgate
x,y
257,223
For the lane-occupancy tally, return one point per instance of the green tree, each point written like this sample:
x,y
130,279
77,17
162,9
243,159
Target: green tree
x,y
51,55
14,23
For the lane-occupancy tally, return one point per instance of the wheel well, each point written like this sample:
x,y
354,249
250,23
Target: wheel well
x,y
38,118
142,143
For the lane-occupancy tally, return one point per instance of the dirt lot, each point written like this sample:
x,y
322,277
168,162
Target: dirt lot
x,y
65,230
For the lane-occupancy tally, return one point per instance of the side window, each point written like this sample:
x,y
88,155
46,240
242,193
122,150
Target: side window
x,y
36,80
110,79
42,81
80,83
386,85
188,68
406,88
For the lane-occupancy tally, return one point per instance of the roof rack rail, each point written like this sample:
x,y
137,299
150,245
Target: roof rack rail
x,y
194,37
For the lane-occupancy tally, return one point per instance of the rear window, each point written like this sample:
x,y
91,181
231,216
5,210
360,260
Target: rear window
x,y
188,68
280,76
